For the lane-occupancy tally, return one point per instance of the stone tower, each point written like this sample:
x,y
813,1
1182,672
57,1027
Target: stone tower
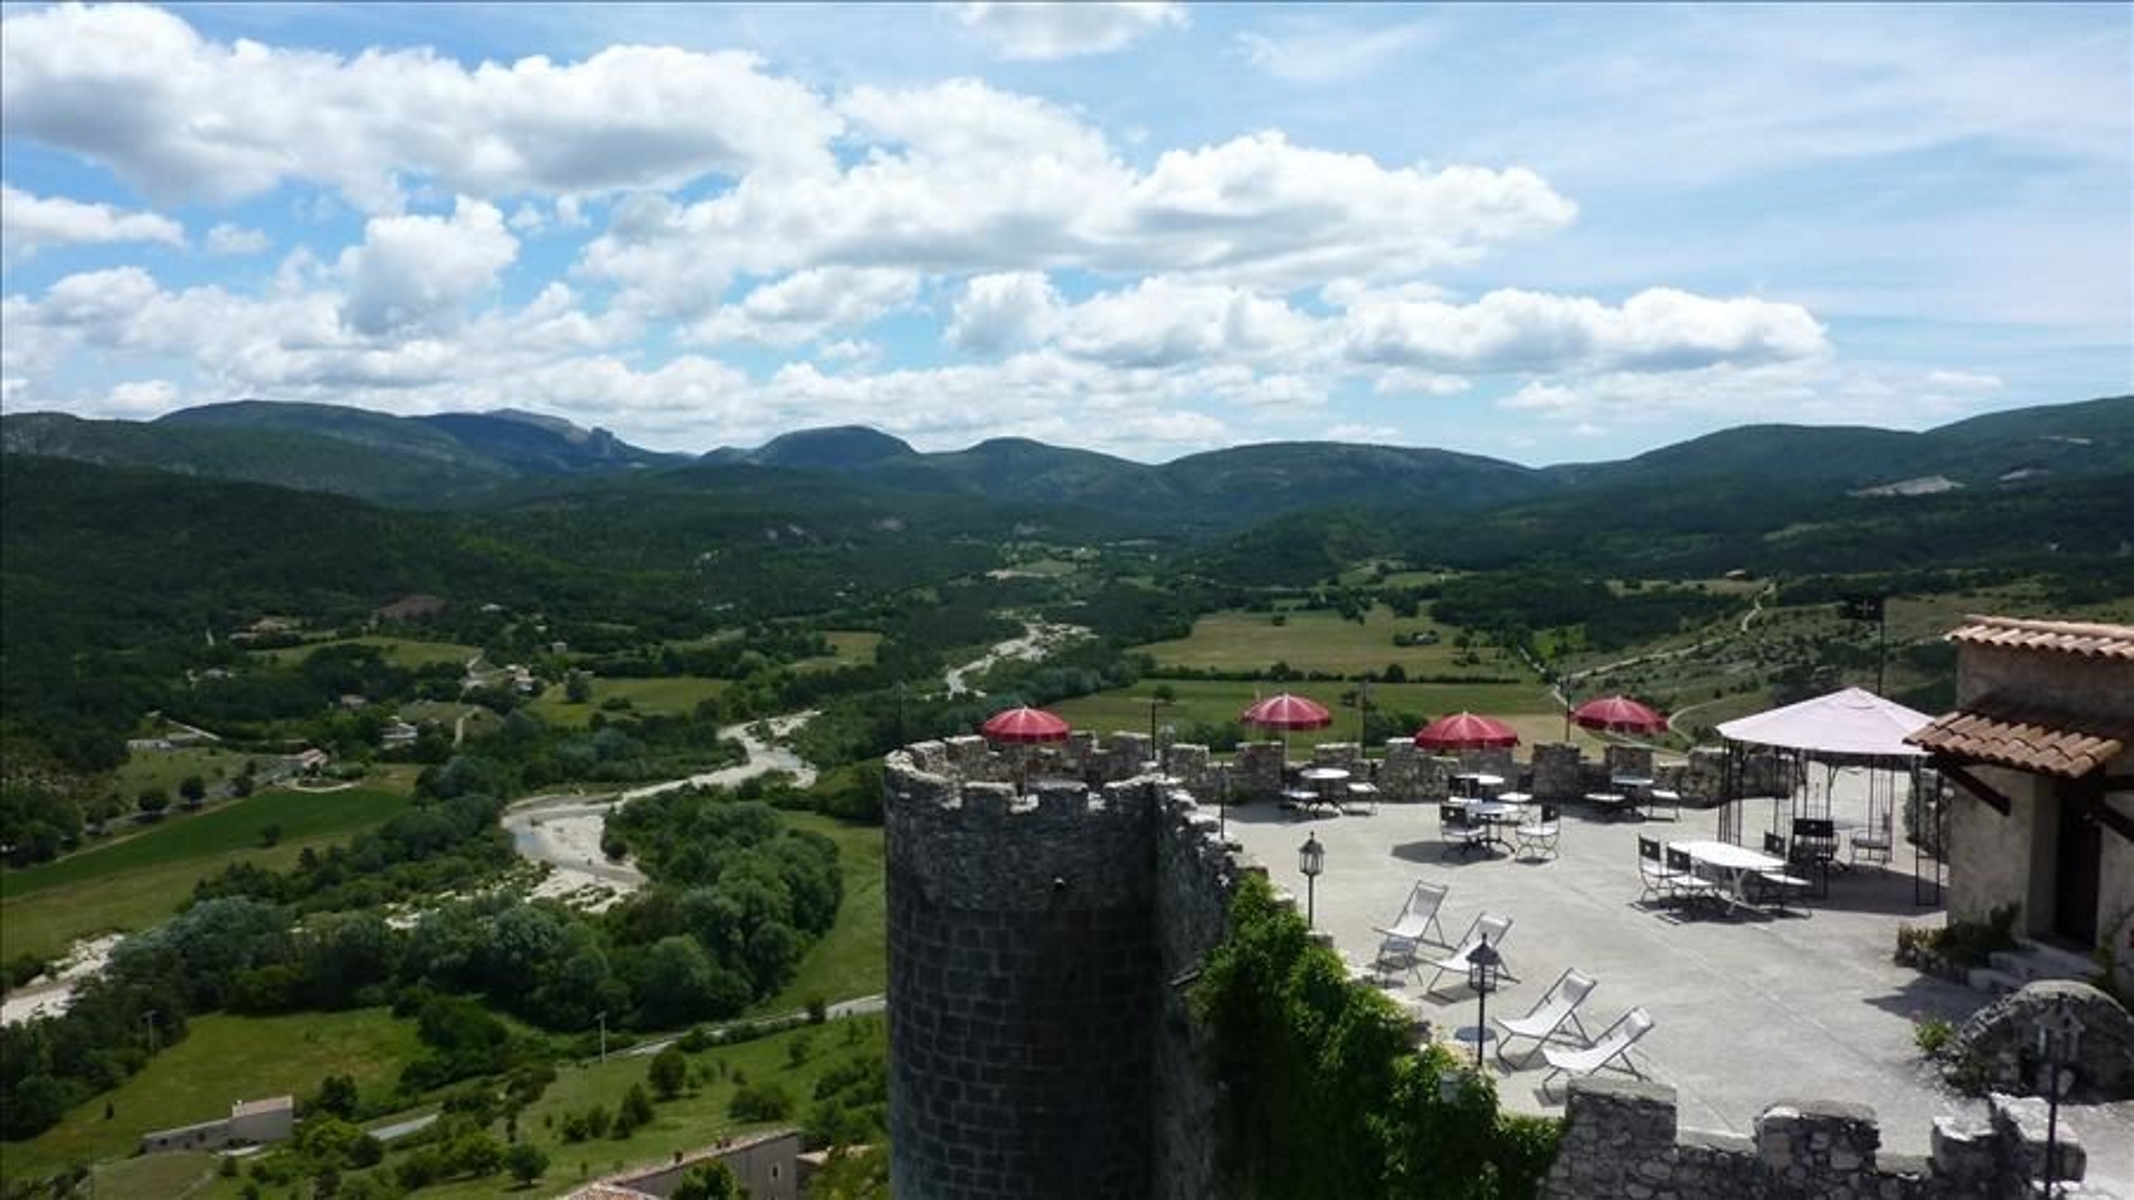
x,y
1025,988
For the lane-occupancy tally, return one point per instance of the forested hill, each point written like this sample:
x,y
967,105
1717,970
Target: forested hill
x,y
506,459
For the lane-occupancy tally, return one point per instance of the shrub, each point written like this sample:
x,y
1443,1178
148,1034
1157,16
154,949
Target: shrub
x,y
1934,1036
766,1101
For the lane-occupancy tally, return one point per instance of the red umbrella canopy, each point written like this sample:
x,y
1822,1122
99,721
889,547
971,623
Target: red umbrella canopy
x,y
1465,731
1619,714
1287,712
1024,724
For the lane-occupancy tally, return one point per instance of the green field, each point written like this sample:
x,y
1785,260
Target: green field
x,y
167,768
139,878
695,1119
221,1060
400,652
1319,640
855,648
851,960
169,1174
665,696
1526,706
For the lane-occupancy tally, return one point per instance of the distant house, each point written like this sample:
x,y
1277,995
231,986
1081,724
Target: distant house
x,y
251,1122
411,607
767,1164
2041,749
350,701
398,733
308,762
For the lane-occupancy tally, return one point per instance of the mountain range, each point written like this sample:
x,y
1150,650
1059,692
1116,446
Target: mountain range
x,y
503,458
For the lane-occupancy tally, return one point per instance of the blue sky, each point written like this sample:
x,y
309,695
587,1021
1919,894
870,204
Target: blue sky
x,y
1541,233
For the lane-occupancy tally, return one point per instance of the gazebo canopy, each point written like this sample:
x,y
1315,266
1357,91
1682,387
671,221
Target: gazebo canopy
x,y
1852,723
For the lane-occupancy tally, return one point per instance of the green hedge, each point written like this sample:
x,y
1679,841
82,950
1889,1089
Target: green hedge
x,y
1323,1093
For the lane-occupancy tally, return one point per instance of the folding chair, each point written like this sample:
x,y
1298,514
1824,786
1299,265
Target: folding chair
x,y
1399,941
1615,1043
1540,835
1683,882
1487,925
1778,883
1653,875
1557,1005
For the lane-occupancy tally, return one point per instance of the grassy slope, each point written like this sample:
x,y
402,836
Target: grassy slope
x,y
853,958
1318,640
670,695
401,652
167,768
220,1061
688,1122
132,882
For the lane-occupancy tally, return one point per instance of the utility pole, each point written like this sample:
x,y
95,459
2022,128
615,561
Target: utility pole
x,y
603,1019
149,1019
1363,717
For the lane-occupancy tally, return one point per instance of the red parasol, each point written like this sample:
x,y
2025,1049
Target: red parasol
x,y
1465,731
1024,725
1287,712
1619,714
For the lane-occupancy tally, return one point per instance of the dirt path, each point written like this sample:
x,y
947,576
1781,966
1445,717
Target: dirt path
x,y
1038,640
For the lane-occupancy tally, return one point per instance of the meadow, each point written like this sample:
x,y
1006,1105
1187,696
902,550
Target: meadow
x,y
1321,640
137,879
667,695
220,1061
851,960
401,652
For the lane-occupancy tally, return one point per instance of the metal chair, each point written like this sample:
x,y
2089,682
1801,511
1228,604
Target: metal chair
x,y
1683,881
1459,833
1653,874
1540,836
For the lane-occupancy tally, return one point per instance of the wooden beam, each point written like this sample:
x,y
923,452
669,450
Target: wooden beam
x,y
2109,816
1993,796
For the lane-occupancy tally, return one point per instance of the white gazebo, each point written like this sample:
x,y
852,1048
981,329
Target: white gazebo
x,y
1848,728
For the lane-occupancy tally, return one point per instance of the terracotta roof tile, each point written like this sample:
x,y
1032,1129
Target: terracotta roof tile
x,y
2067,637
2028,739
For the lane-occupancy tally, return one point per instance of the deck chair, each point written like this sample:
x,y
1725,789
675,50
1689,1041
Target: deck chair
x,y
1458,833
1557,1005
1814,850
1541,834
1399,941
1683,882
1653,875
1777,883
1614,1043
1488,925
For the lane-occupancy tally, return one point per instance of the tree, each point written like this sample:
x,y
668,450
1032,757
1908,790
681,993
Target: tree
x,y
669,1071
337,1097
766,1101
635,1111
153,801
475,1154
712,1180
526,1162
577,687
194,789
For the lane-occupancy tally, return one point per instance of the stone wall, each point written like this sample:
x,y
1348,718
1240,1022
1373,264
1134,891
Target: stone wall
x,y
1031,938
1621,1140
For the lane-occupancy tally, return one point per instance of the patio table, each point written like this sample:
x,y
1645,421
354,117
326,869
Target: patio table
x,y
1494,816
1324,781
1479,783
1732,864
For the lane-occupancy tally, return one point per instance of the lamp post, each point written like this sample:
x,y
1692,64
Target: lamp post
x,y
2059,1040
1363,718
1482,968
1311,859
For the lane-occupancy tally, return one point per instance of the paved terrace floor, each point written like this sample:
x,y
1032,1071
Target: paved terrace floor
x,y
1749,1009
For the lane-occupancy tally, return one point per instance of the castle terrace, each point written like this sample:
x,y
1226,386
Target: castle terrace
x,y
1751,1009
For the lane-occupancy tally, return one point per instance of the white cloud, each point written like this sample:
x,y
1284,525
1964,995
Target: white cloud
x,y
960,178
1168,322
1807,392
1351,431
226,238
141,398
1034,29
805,305
29,223
174,114
1003,311
1332,54
1659,329
1964,381
420,272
